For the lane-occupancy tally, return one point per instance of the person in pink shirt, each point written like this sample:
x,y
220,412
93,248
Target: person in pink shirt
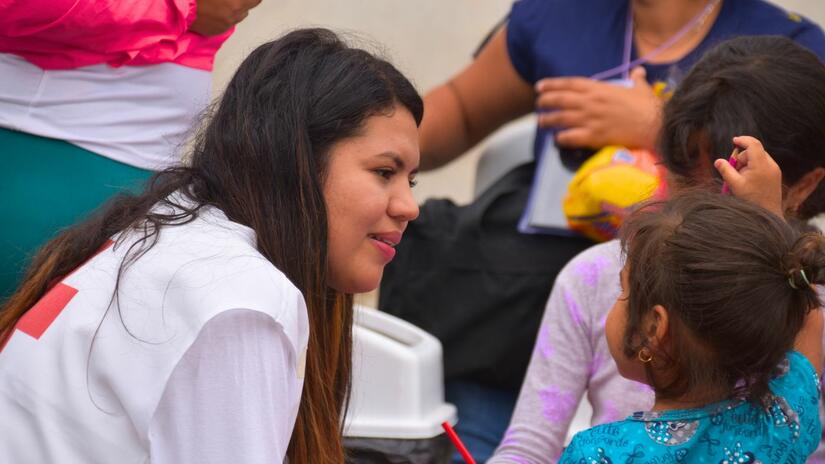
x,y
69,34
94,97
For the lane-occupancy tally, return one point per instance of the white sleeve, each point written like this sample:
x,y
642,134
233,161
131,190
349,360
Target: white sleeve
x,y
233,397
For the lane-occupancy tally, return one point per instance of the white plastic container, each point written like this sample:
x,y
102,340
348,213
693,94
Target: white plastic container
x,y
397,380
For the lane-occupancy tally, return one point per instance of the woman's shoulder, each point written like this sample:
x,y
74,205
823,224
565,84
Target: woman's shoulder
x,y
543,36
570,8
226,251
211,264
760,17
565,19
596,267
207,242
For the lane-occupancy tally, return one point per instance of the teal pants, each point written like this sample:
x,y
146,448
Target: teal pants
x,y
47,185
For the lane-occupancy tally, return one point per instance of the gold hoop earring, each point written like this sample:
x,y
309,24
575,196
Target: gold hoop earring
x,y
645,358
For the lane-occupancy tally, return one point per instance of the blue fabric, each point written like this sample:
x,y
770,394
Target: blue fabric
x,y
483,416
733,431
553,38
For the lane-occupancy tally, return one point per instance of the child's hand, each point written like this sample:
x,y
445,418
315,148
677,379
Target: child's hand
x,y
757,177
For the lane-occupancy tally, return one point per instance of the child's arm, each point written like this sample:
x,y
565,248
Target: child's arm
x,y
757,179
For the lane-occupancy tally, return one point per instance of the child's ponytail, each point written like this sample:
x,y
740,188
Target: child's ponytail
x,y
805,266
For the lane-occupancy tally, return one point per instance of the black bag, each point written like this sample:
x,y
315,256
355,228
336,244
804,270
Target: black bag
x,y
436,450
466,275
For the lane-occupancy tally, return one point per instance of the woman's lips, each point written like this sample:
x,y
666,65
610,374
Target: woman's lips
x,y
386,243
386,250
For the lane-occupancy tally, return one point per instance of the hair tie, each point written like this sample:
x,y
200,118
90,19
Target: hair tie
x,y
804,278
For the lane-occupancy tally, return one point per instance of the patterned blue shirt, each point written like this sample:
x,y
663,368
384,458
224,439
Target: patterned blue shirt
x,y
728,432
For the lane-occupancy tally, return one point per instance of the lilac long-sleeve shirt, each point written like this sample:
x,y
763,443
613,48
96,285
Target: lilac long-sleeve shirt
x,y
571,359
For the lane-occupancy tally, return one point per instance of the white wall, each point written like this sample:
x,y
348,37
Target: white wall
x,y
428,40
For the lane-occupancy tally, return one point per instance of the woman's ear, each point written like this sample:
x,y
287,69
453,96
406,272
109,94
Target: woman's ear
x,y
802,189
656,327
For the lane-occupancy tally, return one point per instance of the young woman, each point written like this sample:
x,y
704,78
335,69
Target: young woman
x,y
208,319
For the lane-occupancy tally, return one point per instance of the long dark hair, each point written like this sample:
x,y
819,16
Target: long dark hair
x,y
730,275
262,159
767,87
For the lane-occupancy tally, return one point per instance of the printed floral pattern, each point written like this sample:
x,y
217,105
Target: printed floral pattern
x,y
739,456
784,415
734,431
671,433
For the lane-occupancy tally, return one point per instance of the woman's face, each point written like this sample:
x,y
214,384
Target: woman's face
x,y
369,199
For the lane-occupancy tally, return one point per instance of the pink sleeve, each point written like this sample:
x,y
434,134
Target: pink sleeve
x,y
65,34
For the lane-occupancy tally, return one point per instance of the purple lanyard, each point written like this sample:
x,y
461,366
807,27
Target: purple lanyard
x,y
627,65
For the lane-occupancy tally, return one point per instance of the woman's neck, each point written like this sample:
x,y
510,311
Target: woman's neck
x,y
663,18
656,21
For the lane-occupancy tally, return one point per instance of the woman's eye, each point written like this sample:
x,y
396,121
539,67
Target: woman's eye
x,y
386,173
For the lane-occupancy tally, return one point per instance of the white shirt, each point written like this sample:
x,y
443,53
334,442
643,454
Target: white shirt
x,y
138,115
227,399
199,361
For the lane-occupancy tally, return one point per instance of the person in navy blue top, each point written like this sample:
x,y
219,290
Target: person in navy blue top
x,y
541,60
592,33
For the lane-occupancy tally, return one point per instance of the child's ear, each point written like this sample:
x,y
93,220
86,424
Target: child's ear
x,y
657,326
802,189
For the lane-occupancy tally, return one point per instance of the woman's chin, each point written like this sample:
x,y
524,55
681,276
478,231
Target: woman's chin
x,y
361,283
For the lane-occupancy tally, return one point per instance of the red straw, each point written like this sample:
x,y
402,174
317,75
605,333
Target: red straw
x,y
457,442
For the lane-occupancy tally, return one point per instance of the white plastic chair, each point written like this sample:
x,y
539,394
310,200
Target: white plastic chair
x,y
397,380
510,146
